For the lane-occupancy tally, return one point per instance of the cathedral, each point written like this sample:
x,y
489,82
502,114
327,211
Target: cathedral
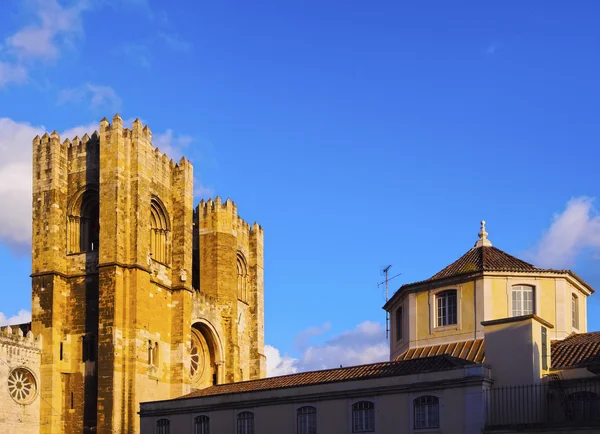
x,y
136,295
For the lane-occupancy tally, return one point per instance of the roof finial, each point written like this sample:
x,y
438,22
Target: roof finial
x,y
483,241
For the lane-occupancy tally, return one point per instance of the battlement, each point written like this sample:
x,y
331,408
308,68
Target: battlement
x,y
14,336
226,209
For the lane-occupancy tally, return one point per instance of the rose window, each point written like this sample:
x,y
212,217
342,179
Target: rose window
x,y
22,386
196,356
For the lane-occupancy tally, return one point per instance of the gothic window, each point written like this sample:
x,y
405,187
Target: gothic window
x,y
522,300
427,412
83,229
446,308
163,426
245,423
242,278
159,232
363,417
201,425
307,420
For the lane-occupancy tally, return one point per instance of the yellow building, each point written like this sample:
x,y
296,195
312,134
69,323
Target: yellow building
x,y
136,294
489,344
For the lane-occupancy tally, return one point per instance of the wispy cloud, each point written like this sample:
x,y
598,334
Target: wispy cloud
x,y
491,49
12,73
54,27
21,317
574,230
366,343
97,96
142,52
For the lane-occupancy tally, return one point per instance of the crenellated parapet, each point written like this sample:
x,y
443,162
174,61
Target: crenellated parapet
x,y
13,336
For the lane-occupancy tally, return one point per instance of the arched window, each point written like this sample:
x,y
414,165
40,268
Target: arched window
x,y
83,228
575,311
522,300
446,308
159,232
427,412
242,278
163,426
201,425
363,416
307,420
585,405
245,423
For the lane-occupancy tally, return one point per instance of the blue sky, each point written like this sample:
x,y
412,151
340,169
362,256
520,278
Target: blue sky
x,y
358,134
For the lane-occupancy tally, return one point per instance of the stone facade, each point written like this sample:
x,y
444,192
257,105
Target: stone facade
x,y
20,378
137,295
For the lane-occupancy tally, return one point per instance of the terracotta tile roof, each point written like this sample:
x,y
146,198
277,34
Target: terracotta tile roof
x,y
363,372
488,258
578,350
472,351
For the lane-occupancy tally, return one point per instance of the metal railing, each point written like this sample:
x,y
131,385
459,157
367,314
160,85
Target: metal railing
x,y
555,402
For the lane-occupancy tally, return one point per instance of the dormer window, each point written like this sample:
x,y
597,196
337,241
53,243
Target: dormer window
x,y
522,300
446,308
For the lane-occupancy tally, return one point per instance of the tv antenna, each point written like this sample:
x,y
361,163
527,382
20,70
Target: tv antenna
x,y
386,271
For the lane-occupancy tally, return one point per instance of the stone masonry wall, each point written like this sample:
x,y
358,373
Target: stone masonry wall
x,y
20,411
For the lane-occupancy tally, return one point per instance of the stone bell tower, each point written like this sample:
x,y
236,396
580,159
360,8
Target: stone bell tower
x,y
136,296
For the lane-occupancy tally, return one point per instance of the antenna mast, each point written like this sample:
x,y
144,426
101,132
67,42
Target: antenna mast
x,y
387,279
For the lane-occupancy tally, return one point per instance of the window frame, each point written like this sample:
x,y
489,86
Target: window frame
x,y
199,421
308,412
445,295
434,405
521,290
248,417
164,427
366,415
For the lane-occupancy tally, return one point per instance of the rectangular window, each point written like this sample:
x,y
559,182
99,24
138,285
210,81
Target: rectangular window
x,y
544,348
522,300
574,311
446,308
399,324
61,351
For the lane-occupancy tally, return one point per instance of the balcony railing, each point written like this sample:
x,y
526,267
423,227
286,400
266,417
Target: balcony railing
x,y
555,403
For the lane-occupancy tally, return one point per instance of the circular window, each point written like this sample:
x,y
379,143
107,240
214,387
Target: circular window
x,y
22,386
196,356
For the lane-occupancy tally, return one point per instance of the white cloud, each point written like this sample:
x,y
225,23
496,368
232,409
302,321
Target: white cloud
x,y
21,317
171,144
10,73
15,174
366,343
278,364
55,27
98,96
202,191
303,338
572,231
